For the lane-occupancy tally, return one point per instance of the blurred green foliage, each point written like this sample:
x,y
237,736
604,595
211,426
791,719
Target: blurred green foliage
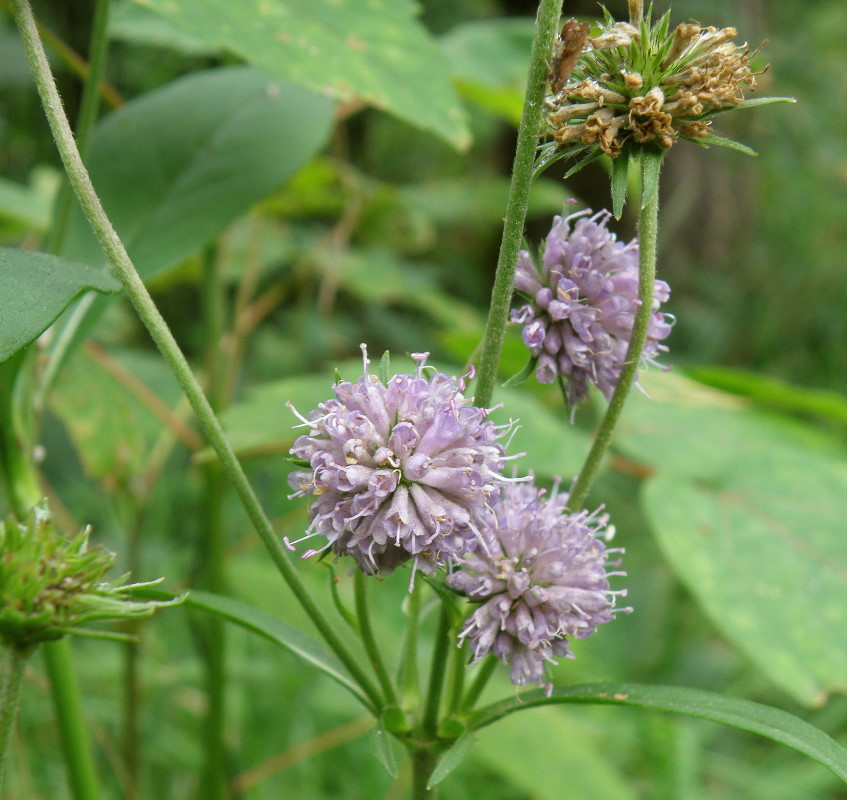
x,y
387,234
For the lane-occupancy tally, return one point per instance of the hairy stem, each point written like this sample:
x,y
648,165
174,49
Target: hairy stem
x,y
369,640
429,723
10,701
88,107
528,130
72,729
160,333
647,233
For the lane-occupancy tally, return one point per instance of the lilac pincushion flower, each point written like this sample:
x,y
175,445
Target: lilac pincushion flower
x,y
402,470
540,578
579,321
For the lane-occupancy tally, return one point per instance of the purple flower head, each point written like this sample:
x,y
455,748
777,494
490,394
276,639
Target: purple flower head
x,y
579,320
399,471
540,578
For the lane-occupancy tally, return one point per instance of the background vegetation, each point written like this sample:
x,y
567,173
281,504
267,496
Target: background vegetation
x,y
298,229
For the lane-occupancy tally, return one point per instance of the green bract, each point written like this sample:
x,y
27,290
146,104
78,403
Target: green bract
x,y
646,87
51,586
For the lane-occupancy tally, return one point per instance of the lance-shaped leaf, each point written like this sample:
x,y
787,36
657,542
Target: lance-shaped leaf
x,y
772,723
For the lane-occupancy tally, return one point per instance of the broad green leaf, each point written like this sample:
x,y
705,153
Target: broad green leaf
x,y
749,510
687,428
130,22
772,723
174,167
374,51
762,548
278,632
35,288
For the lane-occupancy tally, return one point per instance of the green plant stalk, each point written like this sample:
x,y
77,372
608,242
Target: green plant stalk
x,y
16,465
369,640
423,763
88,107
432,702
528,130
456,683
161,335
73,732
407,672
486,670
211,549
648,218
10,701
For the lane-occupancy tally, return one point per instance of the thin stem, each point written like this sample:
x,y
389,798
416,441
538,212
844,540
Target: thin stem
x,y
369,640
429,724
88,107
528,129
211,547
162,336
647,230
456,683
10,701
407,673
72,728
486,670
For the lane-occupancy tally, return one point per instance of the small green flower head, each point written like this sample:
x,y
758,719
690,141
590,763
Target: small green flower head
x,y
51,586
645,86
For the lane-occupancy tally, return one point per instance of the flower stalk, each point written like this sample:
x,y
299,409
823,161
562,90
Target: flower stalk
x,y
522,172
647,237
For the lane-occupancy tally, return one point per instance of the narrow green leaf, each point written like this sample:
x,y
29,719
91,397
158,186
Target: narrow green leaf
x,y
451,759
755,102
275,630
620,184
35,288
521,376
592,156
386,749
772,723
722,141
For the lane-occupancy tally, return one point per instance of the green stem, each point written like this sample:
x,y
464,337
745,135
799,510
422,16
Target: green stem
x,y
457,678
647,232
211,549
162,336
486,670
16,465
369,640
88,107
10,701
72,730
407,673
528,129
423,763
429,724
